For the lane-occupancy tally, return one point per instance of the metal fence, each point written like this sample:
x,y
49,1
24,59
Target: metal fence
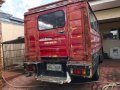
x,y
13,55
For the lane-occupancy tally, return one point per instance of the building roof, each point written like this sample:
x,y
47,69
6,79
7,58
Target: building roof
x,y
98,5
15,41
5,17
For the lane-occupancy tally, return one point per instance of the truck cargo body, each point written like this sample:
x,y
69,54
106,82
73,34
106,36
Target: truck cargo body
x,y
62,40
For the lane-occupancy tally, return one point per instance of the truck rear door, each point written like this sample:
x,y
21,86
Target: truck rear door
x,y
53,33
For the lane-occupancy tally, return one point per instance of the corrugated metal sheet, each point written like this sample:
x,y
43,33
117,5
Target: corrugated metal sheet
x,y
13,55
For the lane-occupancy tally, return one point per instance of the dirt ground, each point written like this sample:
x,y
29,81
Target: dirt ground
x,y
109,73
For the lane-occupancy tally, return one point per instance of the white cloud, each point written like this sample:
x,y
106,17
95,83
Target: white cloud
x,y
10,5
31,3
18,7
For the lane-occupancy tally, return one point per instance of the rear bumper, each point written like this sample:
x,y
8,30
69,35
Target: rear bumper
x,y
59,77
51,79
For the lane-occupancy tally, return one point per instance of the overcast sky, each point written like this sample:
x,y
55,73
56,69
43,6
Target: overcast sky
x,y
18,7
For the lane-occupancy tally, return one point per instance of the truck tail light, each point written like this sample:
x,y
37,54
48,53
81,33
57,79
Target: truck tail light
x,y
79,71
84,72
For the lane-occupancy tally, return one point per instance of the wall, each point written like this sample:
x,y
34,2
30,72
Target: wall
x,y
11,31
13,55
109,19
108,14
107,44
108,26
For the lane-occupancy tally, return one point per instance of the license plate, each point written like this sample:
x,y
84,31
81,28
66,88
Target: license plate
x,y
54,67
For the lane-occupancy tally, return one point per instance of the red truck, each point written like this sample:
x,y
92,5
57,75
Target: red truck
x,y
62,41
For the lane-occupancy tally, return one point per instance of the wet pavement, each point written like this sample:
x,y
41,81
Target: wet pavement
x,y
109,73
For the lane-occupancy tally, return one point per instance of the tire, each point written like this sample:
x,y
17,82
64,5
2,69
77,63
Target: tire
x,y
96,74
100,60
101,57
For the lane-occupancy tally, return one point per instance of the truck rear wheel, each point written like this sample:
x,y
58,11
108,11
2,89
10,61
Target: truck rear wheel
x,y
96,74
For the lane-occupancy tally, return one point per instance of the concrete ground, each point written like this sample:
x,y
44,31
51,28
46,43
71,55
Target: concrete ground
x,y
110,72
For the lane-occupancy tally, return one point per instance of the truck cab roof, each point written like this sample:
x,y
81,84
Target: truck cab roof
x,y
51,6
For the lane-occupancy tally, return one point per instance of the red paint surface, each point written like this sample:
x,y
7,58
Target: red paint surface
x,y
78,42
